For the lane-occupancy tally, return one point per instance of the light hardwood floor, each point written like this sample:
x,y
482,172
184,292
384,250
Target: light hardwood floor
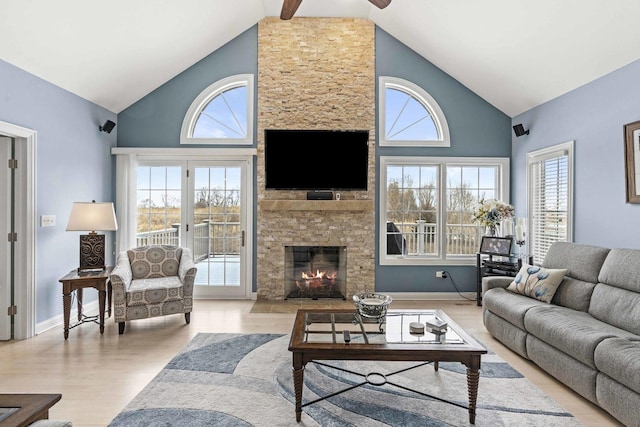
x,y
98,375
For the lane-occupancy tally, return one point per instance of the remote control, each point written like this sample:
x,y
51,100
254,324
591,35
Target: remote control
x,y
347,336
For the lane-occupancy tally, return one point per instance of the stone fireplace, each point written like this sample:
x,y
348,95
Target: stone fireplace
x,y
315,73
315,272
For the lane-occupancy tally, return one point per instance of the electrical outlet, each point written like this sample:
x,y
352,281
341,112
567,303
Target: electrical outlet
x,y
47,221
440,274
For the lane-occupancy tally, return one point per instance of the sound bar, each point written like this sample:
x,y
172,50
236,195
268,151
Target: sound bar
x,y
319,195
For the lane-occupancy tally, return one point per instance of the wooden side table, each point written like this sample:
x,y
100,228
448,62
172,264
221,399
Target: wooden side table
x,y
77,281
26,408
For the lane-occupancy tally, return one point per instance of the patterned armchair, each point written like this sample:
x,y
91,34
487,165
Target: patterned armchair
x,y
152,281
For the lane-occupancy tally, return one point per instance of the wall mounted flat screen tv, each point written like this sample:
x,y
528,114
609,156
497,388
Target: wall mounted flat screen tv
x,y
316,159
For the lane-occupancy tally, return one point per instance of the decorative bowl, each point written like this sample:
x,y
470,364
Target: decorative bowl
x,y
372,305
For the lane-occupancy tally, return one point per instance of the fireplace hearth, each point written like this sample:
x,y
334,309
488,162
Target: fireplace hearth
x,y
315,272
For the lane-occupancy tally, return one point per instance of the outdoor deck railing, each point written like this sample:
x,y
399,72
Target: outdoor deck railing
x,y
209,238
420,238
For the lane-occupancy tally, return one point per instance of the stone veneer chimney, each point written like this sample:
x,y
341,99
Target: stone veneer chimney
x,y
315,73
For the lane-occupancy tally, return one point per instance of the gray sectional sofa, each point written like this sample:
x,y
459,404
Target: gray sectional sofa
x,y
588,336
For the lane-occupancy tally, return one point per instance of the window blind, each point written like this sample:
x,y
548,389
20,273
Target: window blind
x,y
549,201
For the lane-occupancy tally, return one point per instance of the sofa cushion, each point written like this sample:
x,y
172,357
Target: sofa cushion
x,y
509,306
537,282
574,293
583,262
574,332
153,291
616,306
154,261
619,358
620,269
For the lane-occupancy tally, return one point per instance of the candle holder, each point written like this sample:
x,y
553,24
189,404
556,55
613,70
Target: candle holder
x,y
520,244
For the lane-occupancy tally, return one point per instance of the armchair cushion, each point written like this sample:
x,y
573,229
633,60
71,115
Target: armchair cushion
x,y
149,262
153,291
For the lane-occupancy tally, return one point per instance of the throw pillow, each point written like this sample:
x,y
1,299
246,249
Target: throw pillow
x,y
537,282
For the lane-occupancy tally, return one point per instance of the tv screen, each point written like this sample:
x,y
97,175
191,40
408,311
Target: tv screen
x,y
316,159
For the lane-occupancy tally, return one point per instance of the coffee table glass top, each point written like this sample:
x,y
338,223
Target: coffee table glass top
x,y
329,327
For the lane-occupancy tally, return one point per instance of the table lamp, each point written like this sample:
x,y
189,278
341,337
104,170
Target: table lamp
x,y
92,217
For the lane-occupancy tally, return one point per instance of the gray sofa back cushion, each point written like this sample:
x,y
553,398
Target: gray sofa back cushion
x,y
617,307
620,269
583,262
574,293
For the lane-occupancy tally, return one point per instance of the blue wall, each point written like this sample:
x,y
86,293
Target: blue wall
x,y
477,129
156,120
73,164
593,116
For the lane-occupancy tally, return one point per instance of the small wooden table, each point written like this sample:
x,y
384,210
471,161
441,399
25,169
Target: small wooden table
x,y
77,281
318,335
29,408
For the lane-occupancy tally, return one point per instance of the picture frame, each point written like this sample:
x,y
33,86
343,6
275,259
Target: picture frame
x,y
498,246
632,161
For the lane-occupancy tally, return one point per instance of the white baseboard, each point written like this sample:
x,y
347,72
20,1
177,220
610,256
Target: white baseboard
x,y
432,296
90,309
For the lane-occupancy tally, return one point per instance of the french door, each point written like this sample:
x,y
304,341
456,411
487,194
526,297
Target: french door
x,y
203,205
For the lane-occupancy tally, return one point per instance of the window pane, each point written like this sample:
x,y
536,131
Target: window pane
x,y
412,210
225,116
158,205
407,118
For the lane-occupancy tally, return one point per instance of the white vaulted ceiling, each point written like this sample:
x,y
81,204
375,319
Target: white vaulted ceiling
x,y
516,54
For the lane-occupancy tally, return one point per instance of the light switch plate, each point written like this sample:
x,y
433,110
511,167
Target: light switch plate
x,y
47,220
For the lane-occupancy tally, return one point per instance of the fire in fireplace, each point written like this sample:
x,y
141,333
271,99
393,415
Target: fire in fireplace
x,y
315,272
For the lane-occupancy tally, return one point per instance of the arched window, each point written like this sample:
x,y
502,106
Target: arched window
x,y
221,114
409,116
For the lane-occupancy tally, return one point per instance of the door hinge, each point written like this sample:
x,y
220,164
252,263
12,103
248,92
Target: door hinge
x,y
12,310
242,239
187,227
12,237
187,173
13,164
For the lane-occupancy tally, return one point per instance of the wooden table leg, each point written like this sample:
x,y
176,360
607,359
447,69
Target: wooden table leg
x,y
298,376
101,298
109,293
79,295
473,378
66,302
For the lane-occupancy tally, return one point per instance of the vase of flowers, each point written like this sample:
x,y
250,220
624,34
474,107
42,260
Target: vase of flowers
x,y
490,212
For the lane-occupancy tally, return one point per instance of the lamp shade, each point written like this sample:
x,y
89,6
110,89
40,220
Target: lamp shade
x,y
92,216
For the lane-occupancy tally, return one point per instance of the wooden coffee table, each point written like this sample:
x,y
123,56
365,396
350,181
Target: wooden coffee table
x,y
24,409
318,335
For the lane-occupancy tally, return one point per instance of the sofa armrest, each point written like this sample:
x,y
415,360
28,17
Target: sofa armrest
x,y
121,279
187,271
491,282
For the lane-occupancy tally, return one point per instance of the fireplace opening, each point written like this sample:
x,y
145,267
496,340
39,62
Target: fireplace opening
x,y
315,272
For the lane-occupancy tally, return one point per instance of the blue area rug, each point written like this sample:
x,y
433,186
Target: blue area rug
x,y
246,380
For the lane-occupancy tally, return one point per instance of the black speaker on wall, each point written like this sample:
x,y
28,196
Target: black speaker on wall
x,y
107,126
519,130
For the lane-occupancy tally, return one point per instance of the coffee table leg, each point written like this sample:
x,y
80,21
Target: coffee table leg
x,y
298,377
473,378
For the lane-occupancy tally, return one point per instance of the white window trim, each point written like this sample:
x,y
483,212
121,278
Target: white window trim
x,y
205,97
553,151
425,99
442,162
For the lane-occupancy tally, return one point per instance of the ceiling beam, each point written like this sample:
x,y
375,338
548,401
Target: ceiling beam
x,y
289,8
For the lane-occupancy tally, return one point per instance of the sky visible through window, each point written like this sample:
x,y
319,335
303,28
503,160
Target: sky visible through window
x,y
225,116
407,119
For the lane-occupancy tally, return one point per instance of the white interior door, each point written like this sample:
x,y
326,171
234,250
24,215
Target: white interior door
x,y
218,206
6,267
